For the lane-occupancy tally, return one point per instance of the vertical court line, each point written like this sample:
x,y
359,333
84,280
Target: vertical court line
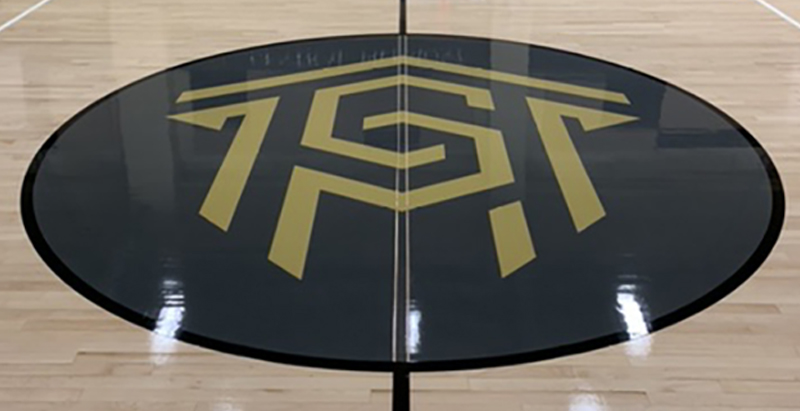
x,y
401,267
396,279
403,26
22,15
407,189
779,13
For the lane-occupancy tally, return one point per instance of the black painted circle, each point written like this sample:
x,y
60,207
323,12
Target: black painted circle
x,y
693,207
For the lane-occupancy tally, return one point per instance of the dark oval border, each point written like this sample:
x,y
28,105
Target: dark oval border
x,y
73,281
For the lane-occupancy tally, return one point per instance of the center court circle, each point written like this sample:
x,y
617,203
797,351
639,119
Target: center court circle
x,y
455,203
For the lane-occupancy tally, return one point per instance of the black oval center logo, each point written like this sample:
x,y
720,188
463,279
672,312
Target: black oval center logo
x,y
463,203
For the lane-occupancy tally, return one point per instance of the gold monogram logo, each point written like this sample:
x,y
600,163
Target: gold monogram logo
x,y
512,238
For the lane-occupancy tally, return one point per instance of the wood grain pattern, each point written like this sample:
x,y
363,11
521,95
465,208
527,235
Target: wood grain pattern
x,y
58,352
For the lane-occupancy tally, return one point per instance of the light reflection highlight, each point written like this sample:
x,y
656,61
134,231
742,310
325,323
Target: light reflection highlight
x,y
224,406
636,318
586,402
413,321
170,319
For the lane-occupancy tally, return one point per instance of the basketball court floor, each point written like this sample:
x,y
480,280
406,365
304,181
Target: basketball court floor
x,y
618,233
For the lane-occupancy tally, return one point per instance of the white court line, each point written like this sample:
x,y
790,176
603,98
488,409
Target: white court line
x,y
23,14
780,13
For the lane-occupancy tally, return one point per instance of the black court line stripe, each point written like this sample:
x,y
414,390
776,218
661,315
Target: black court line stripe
x,y
403,18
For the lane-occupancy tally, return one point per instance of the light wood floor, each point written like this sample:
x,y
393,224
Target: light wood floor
x,y
58,352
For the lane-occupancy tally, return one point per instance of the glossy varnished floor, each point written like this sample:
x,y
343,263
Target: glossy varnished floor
x,y
59,352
